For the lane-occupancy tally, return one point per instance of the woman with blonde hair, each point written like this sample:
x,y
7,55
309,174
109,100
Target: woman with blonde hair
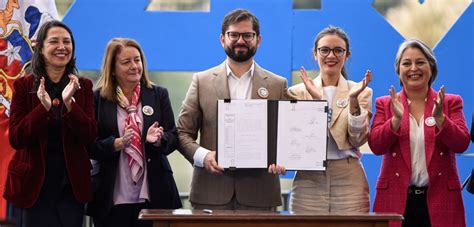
x,y
136,133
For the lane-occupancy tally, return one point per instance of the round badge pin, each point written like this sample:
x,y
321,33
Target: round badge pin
x,y
341,103
147,110
263,93
430,121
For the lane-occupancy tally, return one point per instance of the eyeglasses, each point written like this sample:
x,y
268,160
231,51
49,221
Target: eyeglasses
x,y
247,36
325,51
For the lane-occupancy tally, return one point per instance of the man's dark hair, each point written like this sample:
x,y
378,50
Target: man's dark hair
x,y
239,15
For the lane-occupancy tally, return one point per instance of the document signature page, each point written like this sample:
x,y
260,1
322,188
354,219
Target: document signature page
x,y
302,135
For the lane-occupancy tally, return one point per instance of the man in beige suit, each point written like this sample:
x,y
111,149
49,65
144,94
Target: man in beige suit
x,y
238,77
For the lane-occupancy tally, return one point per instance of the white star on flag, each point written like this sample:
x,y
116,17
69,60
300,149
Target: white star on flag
x,y
12,52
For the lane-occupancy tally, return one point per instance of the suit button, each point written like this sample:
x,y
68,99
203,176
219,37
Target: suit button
x,y
149,160
394,154
440,173
441,153
397,174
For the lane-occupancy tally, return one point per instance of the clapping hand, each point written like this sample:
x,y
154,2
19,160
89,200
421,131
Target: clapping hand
x,y
353,96
438,107
397,108
309,84
69,90
43,96
154,133
125,140
365,82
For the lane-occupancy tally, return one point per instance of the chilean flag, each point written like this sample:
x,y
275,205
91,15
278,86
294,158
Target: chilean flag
x,y
21,24
15,52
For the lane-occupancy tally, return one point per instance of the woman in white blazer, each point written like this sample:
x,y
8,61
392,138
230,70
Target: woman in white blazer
x,y
343,186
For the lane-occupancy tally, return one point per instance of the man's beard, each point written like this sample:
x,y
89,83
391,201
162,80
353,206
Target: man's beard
x,y
240,56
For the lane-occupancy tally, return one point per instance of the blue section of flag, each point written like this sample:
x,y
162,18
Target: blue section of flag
x,y
16,39
32,16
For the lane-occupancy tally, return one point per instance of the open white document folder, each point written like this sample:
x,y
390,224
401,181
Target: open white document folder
x,y
255,133
302,135
242,133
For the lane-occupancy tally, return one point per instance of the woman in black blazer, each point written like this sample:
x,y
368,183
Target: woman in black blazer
x,y
136,133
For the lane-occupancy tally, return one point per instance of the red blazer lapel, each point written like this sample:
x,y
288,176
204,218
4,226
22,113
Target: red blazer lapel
x,y
429,130
405,131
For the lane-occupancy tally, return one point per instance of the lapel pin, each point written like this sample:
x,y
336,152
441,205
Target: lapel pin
x,y
341,103
147,110
430,121
263,93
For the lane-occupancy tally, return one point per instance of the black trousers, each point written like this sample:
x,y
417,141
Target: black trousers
x,y
416,210
124,215
62,211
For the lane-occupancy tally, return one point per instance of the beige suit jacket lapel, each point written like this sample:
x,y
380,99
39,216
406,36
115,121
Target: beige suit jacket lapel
x,y
342,94
221,84
258,81
318,82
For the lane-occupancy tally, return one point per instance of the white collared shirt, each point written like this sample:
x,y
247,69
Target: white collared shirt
x,y
419,172
239,88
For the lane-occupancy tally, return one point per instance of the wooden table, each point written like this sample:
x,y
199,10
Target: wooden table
x,y
229,218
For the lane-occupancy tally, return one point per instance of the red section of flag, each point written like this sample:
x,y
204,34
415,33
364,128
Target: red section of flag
x,y
6,153
12,69
22,20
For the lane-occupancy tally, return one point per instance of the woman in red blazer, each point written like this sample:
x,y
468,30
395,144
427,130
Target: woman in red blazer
x,y
52,119
419,131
